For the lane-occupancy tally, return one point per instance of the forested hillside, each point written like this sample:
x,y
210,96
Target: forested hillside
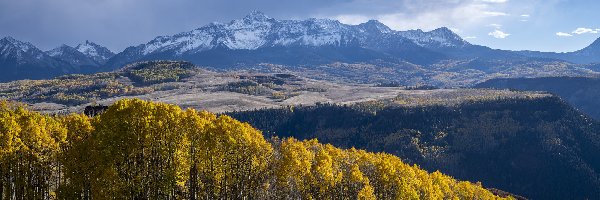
x,y
538,147
144,150
581,92
136,79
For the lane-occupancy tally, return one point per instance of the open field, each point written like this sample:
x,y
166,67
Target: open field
x,y
186,85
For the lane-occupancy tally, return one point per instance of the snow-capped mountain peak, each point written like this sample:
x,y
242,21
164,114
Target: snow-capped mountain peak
x,y
256,15
443,30
257,30
254,31
23,60
87,47
374,25
20,50
22,46
59,50
440,37
96,52
72,56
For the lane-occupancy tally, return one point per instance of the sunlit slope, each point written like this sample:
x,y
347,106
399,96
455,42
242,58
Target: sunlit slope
x,y
529,144
144,150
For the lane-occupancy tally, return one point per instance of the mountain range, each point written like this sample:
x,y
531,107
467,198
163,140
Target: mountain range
x,y
589,54
22,60
311,43
85,54
258,38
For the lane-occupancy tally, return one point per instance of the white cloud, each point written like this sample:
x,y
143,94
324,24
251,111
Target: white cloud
x,y
462,17
498,34
456,30
525,15
470,37
494,13
580,31
496,26
467,15
563,34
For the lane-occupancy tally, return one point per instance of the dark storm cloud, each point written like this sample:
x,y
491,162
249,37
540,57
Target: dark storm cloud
x,y
121,23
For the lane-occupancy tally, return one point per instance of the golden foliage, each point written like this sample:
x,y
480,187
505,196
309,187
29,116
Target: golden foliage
x,y
144,150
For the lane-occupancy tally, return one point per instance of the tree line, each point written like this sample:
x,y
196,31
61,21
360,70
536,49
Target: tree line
x,y
145,150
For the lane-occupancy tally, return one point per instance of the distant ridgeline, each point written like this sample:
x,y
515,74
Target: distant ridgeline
x,y
368,52
583,93
538,147
143,150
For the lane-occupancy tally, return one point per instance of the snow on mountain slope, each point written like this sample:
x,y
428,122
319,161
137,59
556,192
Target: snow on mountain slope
x,y
94,51
438,38
20,51
257,30
72,56
22,60
252,32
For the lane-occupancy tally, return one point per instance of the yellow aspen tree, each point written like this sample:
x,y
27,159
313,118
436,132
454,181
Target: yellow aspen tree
x,y
294,168
138,141
76,158
366,193
323,172
144,150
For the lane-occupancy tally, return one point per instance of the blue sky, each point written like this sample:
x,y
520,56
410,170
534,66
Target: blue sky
x,y
544,25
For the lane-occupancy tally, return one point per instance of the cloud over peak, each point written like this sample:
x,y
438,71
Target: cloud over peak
x,y
580,31
496,26
498,34
495,14
563,34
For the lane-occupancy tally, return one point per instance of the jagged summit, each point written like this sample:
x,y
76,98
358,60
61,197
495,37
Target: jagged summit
x,y
256,15
84,54
9,39
437,38
375,25
96,52
20,60
20,45
256,30
19,51
443,29
72,56
60,50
